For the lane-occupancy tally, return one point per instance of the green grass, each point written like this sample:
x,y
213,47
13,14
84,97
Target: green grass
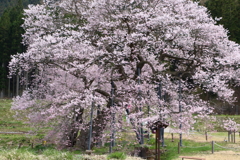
x,y
117,155
9,124
101,150
219,134
188,148
7,120
30,154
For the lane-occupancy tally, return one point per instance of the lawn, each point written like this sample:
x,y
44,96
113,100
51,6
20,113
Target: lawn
x,y
11,130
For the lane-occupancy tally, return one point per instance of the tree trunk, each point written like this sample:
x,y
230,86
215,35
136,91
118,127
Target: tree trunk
x,y
72,131
2,93
72,137
135,128
17,86
13,86
99,124
9,90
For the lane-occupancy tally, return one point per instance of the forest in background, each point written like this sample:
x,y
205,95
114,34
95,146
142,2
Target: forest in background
x,y
4,4
11,12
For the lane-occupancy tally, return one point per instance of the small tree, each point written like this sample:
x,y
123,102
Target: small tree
x,y
231,126
206,123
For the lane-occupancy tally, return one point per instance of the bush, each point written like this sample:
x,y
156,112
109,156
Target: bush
x,y
117,155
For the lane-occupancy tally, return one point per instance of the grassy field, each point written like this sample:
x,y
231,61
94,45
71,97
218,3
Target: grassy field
x,y
7,122
11,130
17,144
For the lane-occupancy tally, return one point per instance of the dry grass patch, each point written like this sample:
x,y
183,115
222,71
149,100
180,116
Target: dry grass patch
x,y
200,137
104,157
222,155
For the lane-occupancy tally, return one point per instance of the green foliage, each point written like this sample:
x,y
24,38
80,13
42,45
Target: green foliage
x,y
229,10
117,155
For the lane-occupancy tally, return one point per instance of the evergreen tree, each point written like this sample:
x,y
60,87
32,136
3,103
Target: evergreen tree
x,y
4,47
10,39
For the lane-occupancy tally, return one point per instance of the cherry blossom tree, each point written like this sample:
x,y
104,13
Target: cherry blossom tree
x,y
231,126
84,54
206,123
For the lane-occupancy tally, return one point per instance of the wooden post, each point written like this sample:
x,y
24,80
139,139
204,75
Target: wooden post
x,y
206,135
156,151
172,137
9,90
178,147
20,145
158,141
212,147
234,137
90,126
13,86
156,127
17,86
228,136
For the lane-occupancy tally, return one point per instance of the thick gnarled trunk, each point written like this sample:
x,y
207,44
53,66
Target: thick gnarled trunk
x,y
71,132
98,126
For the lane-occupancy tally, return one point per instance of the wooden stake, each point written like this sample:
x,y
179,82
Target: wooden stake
x,y
212,147
234,137
178,147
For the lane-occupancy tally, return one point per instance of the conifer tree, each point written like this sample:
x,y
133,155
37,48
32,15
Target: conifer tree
x,y
10,40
